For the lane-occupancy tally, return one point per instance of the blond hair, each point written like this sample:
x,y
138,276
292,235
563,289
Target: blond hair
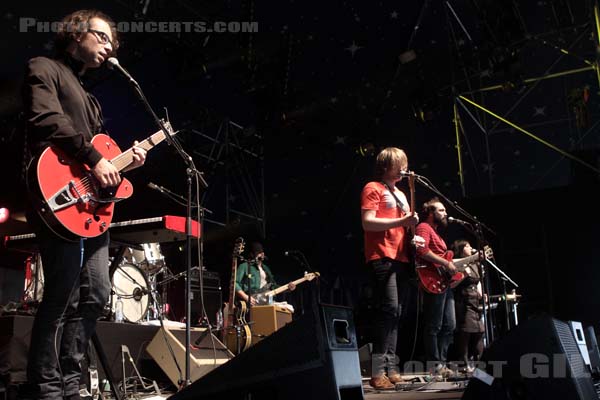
x,y
387,158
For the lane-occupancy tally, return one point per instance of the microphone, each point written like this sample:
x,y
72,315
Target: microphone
x,y
155,187
457,221
409,173
288,253
113,64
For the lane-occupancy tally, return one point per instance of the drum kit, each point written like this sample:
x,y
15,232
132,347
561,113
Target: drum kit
x,y
134,284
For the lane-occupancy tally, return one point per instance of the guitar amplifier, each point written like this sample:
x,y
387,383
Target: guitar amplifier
x,y
268,319
212,280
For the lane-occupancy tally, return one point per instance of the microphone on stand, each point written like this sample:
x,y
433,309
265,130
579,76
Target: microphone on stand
x,y
154,186
113,64
409,173
457,221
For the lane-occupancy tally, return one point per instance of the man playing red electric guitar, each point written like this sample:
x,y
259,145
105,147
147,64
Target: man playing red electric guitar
x,y
438,309
60,112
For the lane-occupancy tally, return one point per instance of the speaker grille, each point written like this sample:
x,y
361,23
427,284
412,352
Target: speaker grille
x,y
577,367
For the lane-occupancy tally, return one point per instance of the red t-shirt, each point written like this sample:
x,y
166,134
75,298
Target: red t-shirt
x,y
433,241
388,243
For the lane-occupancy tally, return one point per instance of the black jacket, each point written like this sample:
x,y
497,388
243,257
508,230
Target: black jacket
x,y
58,109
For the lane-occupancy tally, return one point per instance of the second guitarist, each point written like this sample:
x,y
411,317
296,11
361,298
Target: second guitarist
x,y
254,276
438,309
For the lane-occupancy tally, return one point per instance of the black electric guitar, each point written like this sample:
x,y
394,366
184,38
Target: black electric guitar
x,y
267,297
237,334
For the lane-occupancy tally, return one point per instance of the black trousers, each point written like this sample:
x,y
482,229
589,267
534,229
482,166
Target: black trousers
x,y
392,291
78,295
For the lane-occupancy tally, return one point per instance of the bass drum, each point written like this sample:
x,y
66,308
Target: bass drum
x,y
129,283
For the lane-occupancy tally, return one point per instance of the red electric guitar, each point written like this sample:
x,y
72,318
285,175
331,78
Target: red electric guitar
x,y
435,279
67,196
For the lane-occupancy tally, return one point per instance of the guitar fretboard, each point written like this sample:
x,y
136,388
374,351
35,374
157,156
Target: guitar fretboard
x,y
125,159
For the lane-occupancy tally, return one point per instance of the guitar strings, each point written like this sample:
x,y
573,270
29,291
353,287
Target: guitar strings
x,y
85,183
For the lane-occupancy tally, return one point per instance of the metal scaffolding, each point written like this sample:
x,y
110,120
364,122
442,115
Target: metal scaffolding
x,y
236,156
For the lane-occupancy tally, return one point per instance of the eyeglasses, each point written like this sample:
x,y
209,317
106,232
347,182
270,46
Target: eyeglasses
x,y
102,37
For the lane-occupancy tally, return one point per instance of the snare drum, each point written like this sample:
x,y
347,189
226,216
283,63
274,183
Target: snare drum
x,y
129,283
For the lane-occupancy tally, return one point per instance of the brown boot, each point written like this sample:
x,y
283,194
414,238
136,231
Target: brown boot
x,y
381,383
395,377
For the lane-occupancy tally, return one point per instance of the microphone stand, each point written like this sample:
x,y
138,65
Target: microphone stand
x,y
306,266
191,172
478,232
505,278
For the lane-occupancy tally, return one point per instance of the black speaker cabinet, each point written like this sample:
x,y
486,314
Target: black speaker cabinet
x,y
592,346
213,302
312,357
539,359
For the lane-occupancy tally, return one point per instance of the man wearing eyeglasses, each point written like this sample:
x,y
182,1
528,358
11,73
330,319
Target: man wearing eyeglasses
x,y
61,112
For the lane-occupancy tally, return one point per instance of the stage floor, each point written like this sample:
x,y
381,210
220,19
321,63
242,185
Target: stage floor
x,y
420,391
14,338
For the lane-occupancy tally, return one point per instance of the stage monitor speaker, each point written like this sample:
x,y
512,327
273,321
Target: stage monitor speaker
x,y
168,346
312,357
538,359
592,346
579,336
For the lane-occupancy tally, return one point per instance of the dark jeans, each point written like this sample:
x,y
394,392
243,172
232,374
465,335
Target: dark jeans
x,y
81,294
392,289
439,322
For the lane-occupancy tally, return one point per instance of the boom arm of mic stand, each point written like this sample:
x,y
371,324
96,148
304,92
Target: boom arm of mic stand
x,y
501,272
425,182
186,158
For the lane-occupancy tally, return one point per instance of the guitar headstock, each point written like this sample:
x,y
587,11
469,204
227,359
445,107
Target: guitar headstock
x,y
238,247
167,125
487,252
309,276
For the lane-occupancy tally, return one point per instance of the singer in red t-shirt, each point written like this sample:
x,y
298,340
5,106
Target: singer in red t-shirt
x,y
385,216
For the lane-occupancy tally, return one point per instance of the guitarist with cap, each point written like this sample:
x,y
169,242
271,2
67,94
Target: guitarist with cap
x,y
254,276
438,309
61,113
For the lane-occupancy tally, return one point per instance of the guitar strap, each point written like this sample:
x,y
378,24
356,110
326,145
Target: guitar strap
x,y
399,203
411,251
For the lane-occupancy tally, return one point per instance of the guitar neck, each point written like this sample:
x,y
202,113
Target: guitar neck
x,y
125,159
462,262
232,283
284,288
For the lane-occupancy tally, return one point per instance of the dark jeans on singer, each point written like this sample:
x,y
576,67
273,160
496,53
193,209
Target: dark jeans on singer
x,y
439,323
392,289
91,287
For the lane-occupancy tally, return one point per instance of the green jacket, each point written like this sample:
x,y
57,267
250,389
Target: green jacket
x,y
241,280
